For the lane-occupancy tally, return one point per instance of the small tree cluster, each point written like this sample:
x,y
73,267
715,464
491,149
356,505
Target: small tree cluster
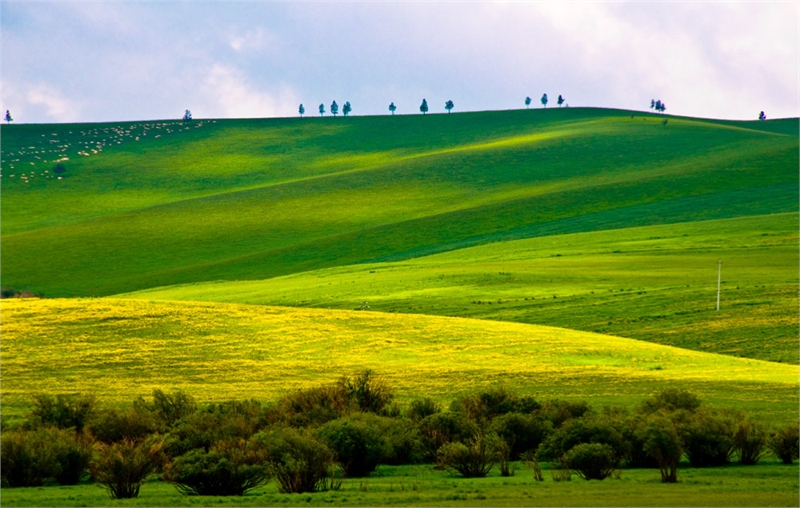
x,y
658,105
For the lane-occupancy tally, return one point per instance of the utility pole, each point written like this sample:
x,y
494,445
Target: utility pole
x,y
719,280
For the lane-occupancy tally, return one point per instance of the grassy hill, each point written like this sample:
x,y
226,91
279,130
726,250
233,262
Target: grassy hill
x,y
157,203
655,283
119,349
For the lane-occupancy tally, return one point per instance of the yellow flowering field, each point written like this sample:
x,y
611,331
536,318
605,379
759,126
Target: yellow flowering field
x,y
120,349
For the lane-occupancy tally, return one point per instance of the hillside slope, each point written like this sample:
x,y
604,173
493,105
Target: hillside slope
x,y
158,203
119,349
654,283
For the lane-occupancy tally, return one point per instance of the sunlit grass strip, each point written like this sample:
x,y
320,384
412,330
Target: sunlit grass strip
x,y
122,348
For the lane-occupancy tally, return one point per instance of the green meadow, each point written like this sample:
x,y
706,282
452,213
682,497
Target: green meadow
x,y
562,253
654,283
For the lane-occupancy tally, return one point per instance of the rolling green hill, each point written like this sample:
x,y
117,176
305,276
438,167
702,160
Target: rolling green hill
x,y
157,203
119,349
655,283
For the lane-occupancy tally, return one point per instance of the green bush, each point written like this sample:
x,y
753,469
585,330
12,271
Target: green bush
x,y
708,438
785,443
298,461
577,431
672,399
561,411
473,459
115,425
122,467
750,441
439,429
422,408
314,406
521,432
225,421
662,443
27,458
229,468
484,406
369,392
358,443
62,411
592,461
168,408
634,430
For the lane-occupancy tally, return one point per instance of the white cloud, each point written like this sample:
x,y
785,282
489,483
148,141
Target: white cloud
x,y
40,101
227,93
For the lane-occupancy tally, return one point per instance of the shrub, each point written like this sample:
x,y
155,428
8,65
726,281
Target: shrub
x,y
113,425
315,406
122,467
369,392
708,438
785,443
583,431
592,461
168,408
225,421
750,441
662,443
560,411
357,442
62,411
482,407
521,432
422,408
634,431
299,461
439,429
472,460
27,459
229,468
671,400
59,169
72,457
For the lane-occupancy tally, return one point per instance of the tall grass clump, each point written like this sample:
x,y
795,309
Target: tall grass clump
x,y
122,467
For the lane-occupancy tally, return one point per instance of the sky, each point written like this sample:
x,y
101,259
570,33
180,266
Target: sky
x,y
144,60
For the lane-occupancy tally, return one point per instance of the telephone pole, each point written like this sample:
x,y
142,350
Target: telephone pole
x,y
719,280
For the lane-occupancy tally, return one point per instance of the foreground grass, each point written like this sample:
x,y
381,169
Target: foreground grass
x,y
119,349
261,198
767,484
655,283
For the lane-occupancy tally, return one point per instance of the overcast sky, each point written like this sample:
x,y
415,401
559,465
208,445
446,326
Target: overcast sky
x,y
112,61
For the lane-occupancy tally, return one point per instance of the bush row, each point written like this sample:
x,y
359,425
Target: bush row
x,y
310,439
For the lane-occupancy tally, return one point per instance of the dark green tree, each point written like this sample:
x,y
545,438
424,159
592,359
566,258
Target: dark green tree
x,y
560,101
527,102
187,116
8,118
392,108
544,100
652,103
302,110
424,106
334,108
322,110
347,108
761,116
448,106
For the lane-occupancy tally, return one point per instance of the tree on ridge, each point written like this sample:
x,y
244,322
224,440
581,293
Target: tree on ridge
x,y
322,110
392,107
302,110
424,106
544,100
448,106
347,108
527,102
334,108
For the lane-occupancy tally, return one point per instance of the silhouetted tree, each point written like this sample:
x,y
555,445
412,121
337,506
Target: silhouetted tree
x,y
652,103
302,110
761,116
544,100
347,108
8,118
527,102
321,109
334,108
187,116
424,106
560,101
392,107
448,106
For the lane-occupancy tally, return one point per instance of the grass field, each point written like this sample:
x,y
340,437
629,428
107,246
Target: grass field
x,y
119,349
655,283
768,484
157,203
